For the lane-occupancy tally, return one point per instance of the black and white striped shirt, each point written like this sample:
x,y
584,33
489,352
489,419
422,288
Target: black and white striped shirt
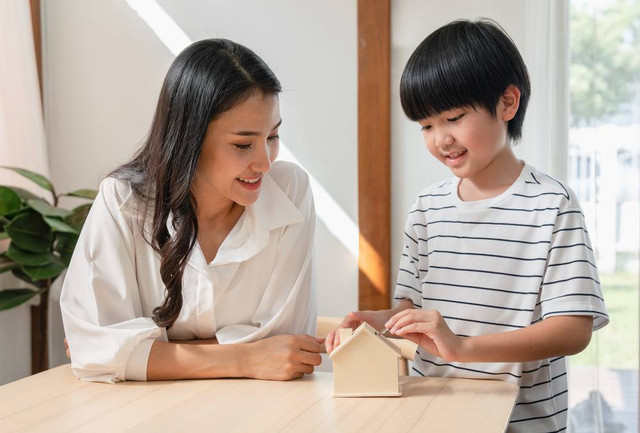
x,y
498,265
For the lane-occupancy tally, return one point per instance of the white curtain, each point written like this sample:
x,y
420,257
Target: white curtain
x,y
22,144
22,139
546,52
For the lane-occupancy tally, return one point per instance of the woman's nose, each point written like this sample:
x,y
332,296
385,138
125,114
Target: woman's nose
x,y
263,159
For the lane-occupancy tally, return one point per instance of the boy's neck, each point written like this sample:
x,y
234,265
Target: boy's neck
x,y
494,179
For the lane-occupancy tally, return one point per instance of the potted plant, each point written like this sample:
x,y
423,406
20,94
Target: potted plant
x,y
37,238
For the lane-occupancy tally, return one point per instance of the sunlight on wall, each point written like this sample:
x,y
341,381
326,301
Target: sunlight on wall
x,y
328,210
162,25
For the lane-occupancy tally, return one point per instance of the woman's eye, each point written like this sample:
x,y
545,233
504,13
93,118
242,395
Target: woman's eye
x,y
454,119
274,138
243,146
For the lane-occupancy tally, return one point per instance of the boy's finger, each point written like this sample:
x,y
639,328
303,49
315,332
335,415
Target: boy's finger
x,y
401,322
328,342
336,339
415,328
397,317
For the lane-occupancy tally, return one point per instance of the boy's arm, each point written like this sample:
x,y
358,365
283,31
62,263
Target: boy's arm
x,y
555,336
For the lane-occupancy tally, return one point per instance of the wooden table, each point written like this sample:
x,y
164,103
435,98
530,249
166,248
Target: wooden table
x,y
55,401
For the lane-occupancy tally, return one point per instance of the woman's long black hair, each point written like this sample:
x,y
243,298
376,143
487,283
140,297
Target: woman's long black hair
x,y
206,79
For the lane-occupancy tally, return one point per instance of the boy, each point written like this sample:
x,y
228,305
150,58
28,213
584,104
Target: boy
x,y
497,278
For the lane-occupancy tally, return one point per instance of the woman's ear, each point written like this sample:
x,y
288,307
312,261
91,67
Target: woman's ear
x,y
509,103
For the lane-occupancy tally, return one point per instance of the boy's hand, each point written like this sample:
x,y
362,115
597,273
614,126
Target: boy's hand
x,y
353,320
429,330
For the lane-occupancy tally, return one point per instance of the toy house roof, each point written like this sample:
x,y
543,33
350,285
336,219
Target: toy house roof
x,y
366,328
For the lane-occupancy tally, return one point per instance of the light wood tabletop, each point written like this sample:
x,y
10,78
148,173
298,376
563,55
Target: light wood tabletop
x,y
55,401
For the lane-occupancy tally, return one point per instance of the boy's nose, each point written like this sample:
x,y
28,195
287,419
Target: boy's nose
x,y
445,140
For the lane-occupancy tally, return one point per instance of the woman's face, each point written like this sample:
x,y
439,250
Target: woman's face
x,y
238,150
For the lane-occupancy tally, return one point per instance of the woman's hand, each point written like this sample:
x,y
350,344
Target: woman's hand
x,y
283,357
429,330
66,346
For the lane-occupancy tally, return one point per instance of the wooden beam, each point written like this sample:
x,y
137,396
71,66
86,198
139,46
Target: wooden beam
x,y
40,312
37,38
374,152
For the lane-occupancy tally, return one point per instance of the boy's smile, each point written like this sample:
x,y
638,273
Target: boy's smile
x,y
454,159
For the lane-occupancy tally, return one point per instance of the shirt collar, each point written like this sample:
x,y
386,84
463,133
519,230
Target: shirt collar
x,y
272,210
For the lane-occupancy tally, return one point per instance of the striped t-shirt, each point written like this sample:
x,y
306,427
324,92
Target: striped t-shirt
x,y
499,265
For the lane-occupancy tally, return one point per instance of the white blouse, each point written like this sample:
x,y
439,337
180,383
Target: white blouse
x,y
261,282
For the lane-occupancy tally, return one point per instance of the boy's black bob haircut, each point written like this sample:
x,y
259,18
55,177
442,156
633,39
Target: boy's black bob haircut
x,y
464,63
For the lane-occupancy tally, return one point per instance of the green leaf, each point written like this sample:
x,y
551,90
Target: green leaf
x,y
44,208
39,273
28,258
19,273
15,213
9,200
10,298
39,179
3,236
78,216
23,193
58,225
65,244
30,232
83,193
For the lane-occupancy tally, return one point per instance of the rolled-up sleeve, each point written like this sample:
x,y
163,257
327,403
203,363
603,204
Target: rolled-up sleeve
x,y
108,336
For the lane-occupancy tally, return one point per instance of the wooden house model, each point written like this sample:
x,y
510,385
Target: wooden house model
x,y
365,364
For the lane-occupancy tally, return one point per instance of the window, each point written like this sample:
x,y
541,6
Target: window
x,y
604,171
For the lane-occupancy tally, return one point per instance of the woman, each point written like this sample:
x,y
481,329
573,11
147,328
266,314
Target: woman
x,y
201,239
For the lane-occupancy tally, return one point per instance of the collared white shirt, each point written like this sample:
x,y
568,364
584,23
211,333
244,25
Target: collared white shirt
x,y
261,282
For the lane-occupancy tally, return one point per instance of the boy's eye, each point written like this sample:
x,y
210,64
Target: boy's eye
x,y
458,117
426,127
243,146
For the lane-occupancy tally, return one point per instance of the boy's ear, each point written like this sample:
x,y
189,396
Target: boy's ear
x,y
509,103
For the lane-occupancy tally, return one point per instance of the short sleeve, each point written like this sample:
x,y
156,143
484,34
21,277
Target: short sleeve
x,y
408,284
570,285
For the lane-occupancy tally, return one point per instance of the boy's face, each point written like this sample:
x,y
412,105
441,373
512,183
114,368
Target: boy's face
x,y
469,141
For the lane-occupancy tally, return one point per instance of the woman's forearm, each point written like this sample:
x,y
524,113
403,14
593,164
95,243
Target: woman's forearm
x,y
280,357
204,341
195,360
